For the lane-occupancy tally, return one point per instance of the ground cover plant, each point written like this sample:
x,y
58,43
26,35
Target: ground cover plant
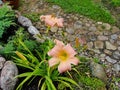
x,y
7,18
87,8
115,2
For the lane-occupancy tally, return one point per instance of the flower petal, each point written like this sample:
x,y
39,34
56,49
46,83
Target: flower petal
x,y
53,61
74,61
54,51
63,67
60,43
59,22
49,22
71,52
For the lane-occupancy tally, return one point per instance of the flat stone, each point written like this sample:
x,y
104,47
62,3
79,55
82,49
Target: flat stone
x,y
114,36
70,38
107,52
118,42
116,55
112,41
110,60
99,44
7,80
102,38
24,21
98,71
119,48
107,26
115,29
77,25
96,51
54,29
99,23
110,46
2,61
116,67
56,7
70,30
90,45
92,37
92,28
33,30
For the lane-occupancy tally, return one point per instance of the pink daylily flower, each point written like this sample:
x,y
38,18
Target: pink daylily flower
x,y
51,21
64,55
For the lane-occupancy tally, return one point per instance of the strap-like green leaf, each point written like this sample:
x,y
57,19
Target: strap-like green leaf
x,y
66,84
43,87
50,82
68,80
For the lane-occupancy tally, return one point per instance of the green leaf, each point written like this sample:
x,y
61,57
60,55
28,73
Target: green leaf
x,y
50,82
43,87
66,84
23,74
68,80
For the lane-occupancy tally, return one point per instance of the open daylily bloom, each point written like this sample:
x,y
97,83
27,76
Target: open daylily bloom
x,y
64,55
51,21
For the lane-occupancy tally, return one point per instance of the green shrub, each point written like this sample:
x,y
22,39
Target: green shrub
x,y
7,17
87,8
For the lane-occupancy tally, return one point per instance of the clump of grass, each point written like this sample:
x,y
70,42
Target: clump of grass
x,y
34,17
115,3
87,8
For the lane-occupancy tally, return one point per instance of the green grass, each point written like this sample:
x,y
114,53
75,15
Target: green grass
x,y
33,16
87,8
115,2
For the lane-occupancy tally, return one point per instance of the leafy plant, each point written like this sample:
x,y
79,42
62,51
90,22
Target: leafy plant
x,y
13,44
7,17
38,66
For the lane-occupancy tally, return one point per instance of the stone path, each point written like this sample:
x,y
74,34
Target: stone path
x,y
102,39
